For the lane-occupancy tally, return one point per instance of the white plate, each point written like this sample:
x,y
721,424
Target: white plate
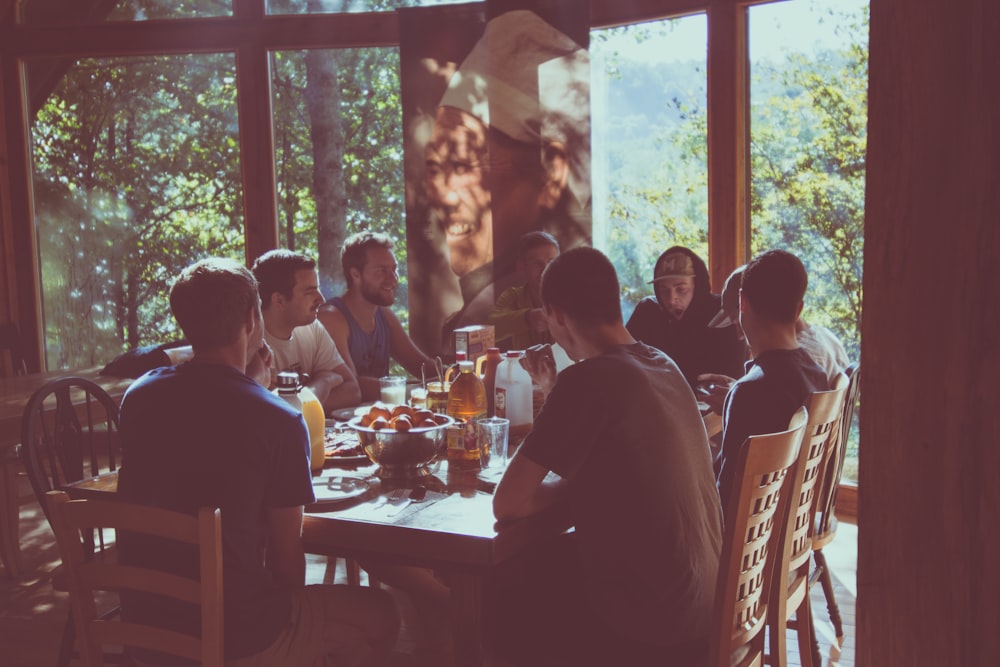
x,y
336,489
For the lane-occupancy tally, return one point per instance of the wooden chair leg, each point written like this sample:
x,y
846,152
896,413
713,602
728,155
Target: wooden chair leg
x,y
353,572
806,633
66,643
10,548
831,601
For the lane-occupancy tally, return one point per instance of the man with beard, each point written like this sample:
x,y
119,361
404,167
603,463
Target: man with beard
x,y
509,153
676,319
361,322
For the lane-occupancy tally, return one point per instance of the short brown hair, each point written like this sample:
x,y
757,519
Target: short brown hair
x,y
583,283
210,300
355,251
275,272
774,284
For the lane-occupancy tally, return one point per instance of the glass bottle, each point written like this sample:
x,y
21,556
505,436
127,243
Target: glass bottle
x,y
466,403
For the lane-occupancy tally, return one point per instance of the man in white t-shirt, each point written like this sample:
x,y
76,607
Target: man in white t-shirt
x,y
290,299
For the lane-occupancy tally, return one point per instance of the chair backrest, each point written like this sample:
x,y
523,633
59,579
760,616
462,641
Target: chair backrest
x,y
825,411
11,353
69,431
834,467
745,567
72,519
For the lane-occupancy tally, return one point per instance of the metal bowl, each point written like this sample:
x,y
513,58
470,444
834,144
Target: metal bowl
x,y
400,454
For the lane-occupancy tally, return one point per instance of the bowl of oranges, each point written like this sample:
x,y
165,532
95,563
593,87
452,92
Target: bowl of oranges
x,y
400,439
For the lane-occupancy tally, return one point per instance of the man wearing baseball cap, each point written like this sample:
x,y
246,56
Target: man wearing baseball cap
x,y
676,318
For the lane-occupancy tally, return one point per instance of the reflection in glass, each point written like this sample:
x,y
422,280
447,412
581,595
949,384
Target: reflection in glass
x,y
650,161
136,173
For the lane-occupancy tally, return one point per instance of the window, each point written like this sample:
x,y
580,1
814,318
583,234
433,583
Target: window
x,y
83,11
339,155
809,99
135,171
650,158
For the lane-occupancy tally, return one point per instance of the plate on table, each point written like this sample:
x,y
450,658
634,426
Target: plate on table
x,y
342,446
336,489
347,414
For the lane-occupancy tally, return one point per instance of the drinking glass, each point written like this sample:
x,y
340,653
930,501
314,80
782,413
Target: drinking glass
x,y
492,434
393,389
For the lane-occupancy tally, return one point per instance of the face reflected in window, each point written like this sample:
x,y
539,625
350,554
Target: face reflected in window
x,y
457,161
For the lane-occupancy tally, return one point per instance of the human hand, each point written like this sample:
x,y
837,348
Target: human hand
x,y
259,365
541,366
712,389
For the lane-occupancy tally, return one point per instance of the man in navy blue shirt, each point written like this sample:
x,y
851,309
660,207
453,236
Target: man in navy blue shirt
x,y
203,433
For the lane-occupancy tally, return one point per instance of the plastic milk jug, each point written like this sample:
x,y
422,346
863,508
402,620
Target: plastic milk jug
x,y
512,396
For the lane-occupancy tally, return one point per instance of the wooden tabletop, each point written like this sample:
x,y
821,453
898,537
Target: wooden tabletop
x,y
16,391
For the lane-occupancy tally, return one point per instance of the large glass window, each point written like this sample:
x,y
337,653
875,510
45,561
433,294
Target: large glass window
x,y
339,154
90,11
809,101
344,6
136,173
650,156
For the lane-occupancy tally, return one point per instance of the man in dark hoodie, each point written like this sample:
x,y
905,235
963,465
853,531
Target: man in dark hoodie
x,y
676,319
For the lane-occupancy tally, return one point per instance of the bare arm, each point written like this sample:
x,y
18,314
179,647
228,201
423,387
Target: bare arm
x,y
337,388
524,490
404,350
285,555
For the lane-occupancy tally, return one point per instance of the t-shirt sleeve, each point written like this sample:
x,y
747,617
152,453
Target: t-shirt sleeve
x,y
564,434
291,478
641,324
327,356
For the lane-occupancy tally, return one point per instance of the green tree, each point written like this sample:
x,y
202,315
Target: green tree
x,y
808,161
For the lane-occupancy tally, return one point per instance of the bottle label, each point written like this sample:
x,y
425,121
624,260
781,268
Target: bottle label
x,y
500,402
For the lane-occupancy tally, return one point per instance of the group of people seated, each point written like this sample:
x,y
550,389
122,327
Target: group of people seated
x,y
620,440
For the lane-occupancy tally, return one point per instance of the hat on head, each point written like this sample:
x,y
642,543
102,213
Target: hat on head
x,y
673,265
730,313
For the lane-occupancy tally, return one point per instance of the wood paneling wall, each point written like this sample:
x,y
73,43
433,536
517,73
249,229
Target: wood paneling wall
x,y
929,524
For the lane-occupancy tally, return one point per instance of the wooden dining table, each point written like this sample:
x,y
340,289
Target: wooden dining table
x,y
451,530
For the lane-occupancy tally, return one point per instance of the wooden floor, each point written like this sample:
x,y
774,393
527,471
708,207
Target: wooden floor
x,y
32,614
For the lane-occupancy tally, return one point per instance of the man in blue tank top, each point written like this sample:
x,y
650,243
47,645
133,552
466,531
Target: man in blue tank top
x,y
361,322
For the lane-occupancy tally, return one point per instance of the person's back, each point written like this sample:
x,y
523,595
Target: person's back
x,y
622,433
207,435
782,375
625,428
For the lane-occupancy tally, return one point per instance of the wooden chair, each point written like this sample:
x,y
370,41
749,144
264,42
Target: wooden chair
x,y
746,564
69,432
72,520
790,596
825,525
